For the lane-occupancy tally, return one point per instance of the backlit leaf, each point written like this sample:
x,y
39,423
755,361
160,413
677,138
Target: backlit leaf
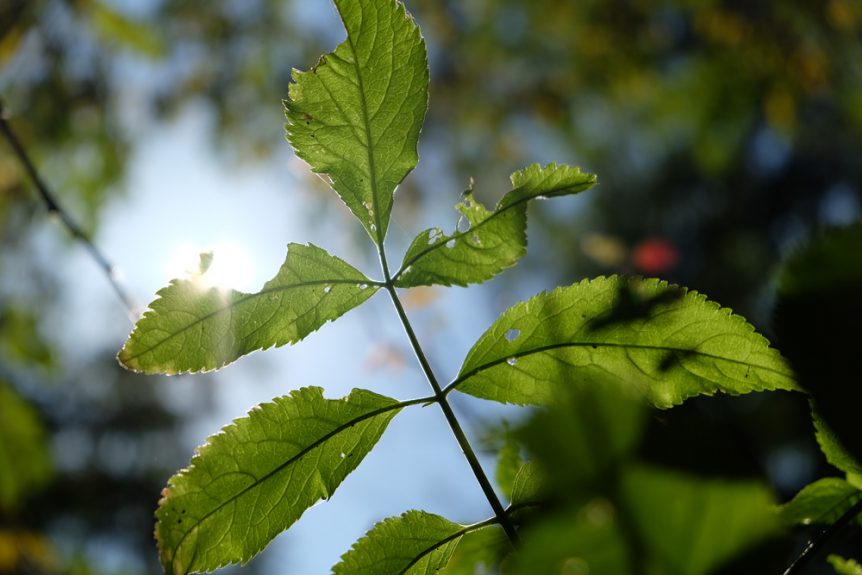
x,y
823,501
489,242
256,477
668,342
191,327
415,542
356,116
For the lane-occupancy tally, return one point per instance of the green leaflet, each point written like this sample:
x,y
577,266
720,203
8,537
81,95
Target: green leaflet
x,y
668,342
509,463
529,485
257,476
823,501
190,328
25,464
494,241
356,116
689,526
478,551
844,566
415,542
831,446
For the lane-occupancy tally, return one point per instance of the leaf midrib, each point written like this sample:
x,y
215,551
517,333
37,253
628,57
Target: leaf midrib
x,y
458,534
247,297
475,371
366,124
339,429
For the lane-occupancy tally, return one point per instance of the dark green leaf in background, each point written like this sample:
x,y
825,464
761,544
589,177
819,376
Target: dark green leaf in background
x,y
583,540
25,464
256,477
817,318
665,341
193,328
689,525
356,116
490,242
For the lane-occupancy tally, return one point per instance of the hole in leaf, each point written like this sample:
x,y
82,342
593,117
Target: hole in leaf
x,y
463,225
362,286
434,235
327,288
450,244
407,270
512,360
373,228
475,240
343,455
513,334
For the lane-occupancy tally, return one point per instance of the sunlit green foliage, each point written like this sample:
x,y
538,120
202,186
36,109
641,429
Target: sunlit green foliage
x,y
489,242
356,116
256,477
414,543
668,343
192,327
593,351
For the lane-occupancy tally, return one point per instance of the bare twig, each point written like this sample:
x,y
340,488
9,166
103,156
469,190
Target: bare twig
x,y
815,544
53,207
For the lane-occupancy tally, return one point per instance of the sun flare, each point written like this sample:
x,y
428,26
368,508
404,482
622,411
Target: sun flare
x,y
229,265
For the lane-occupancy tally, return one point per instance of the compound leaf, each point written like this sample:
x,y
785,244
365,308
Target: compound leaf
x,y
492,241
256,477
190,327
823,501
356,116
415,542
668,342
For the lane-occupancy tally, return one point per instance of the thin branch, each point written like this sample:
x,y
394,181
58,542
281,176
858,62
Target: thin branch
x,y
815,544
54,208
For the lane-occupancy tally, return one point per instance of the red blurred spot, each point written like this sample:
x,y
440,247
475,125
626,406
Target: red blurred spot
x,y
655,256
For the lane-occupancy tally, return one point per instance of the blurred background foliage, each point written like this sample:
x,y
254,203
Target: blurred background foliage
x,y
724,134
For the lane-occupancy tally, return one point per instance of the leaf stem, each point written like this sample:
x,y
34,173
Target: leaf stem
x,y
815,544
451,419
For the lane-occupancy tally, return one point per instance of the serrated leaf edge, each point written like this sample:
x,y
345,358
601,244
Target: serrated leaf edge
x,y
200,451
500,208
462,377
465,529
151,313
